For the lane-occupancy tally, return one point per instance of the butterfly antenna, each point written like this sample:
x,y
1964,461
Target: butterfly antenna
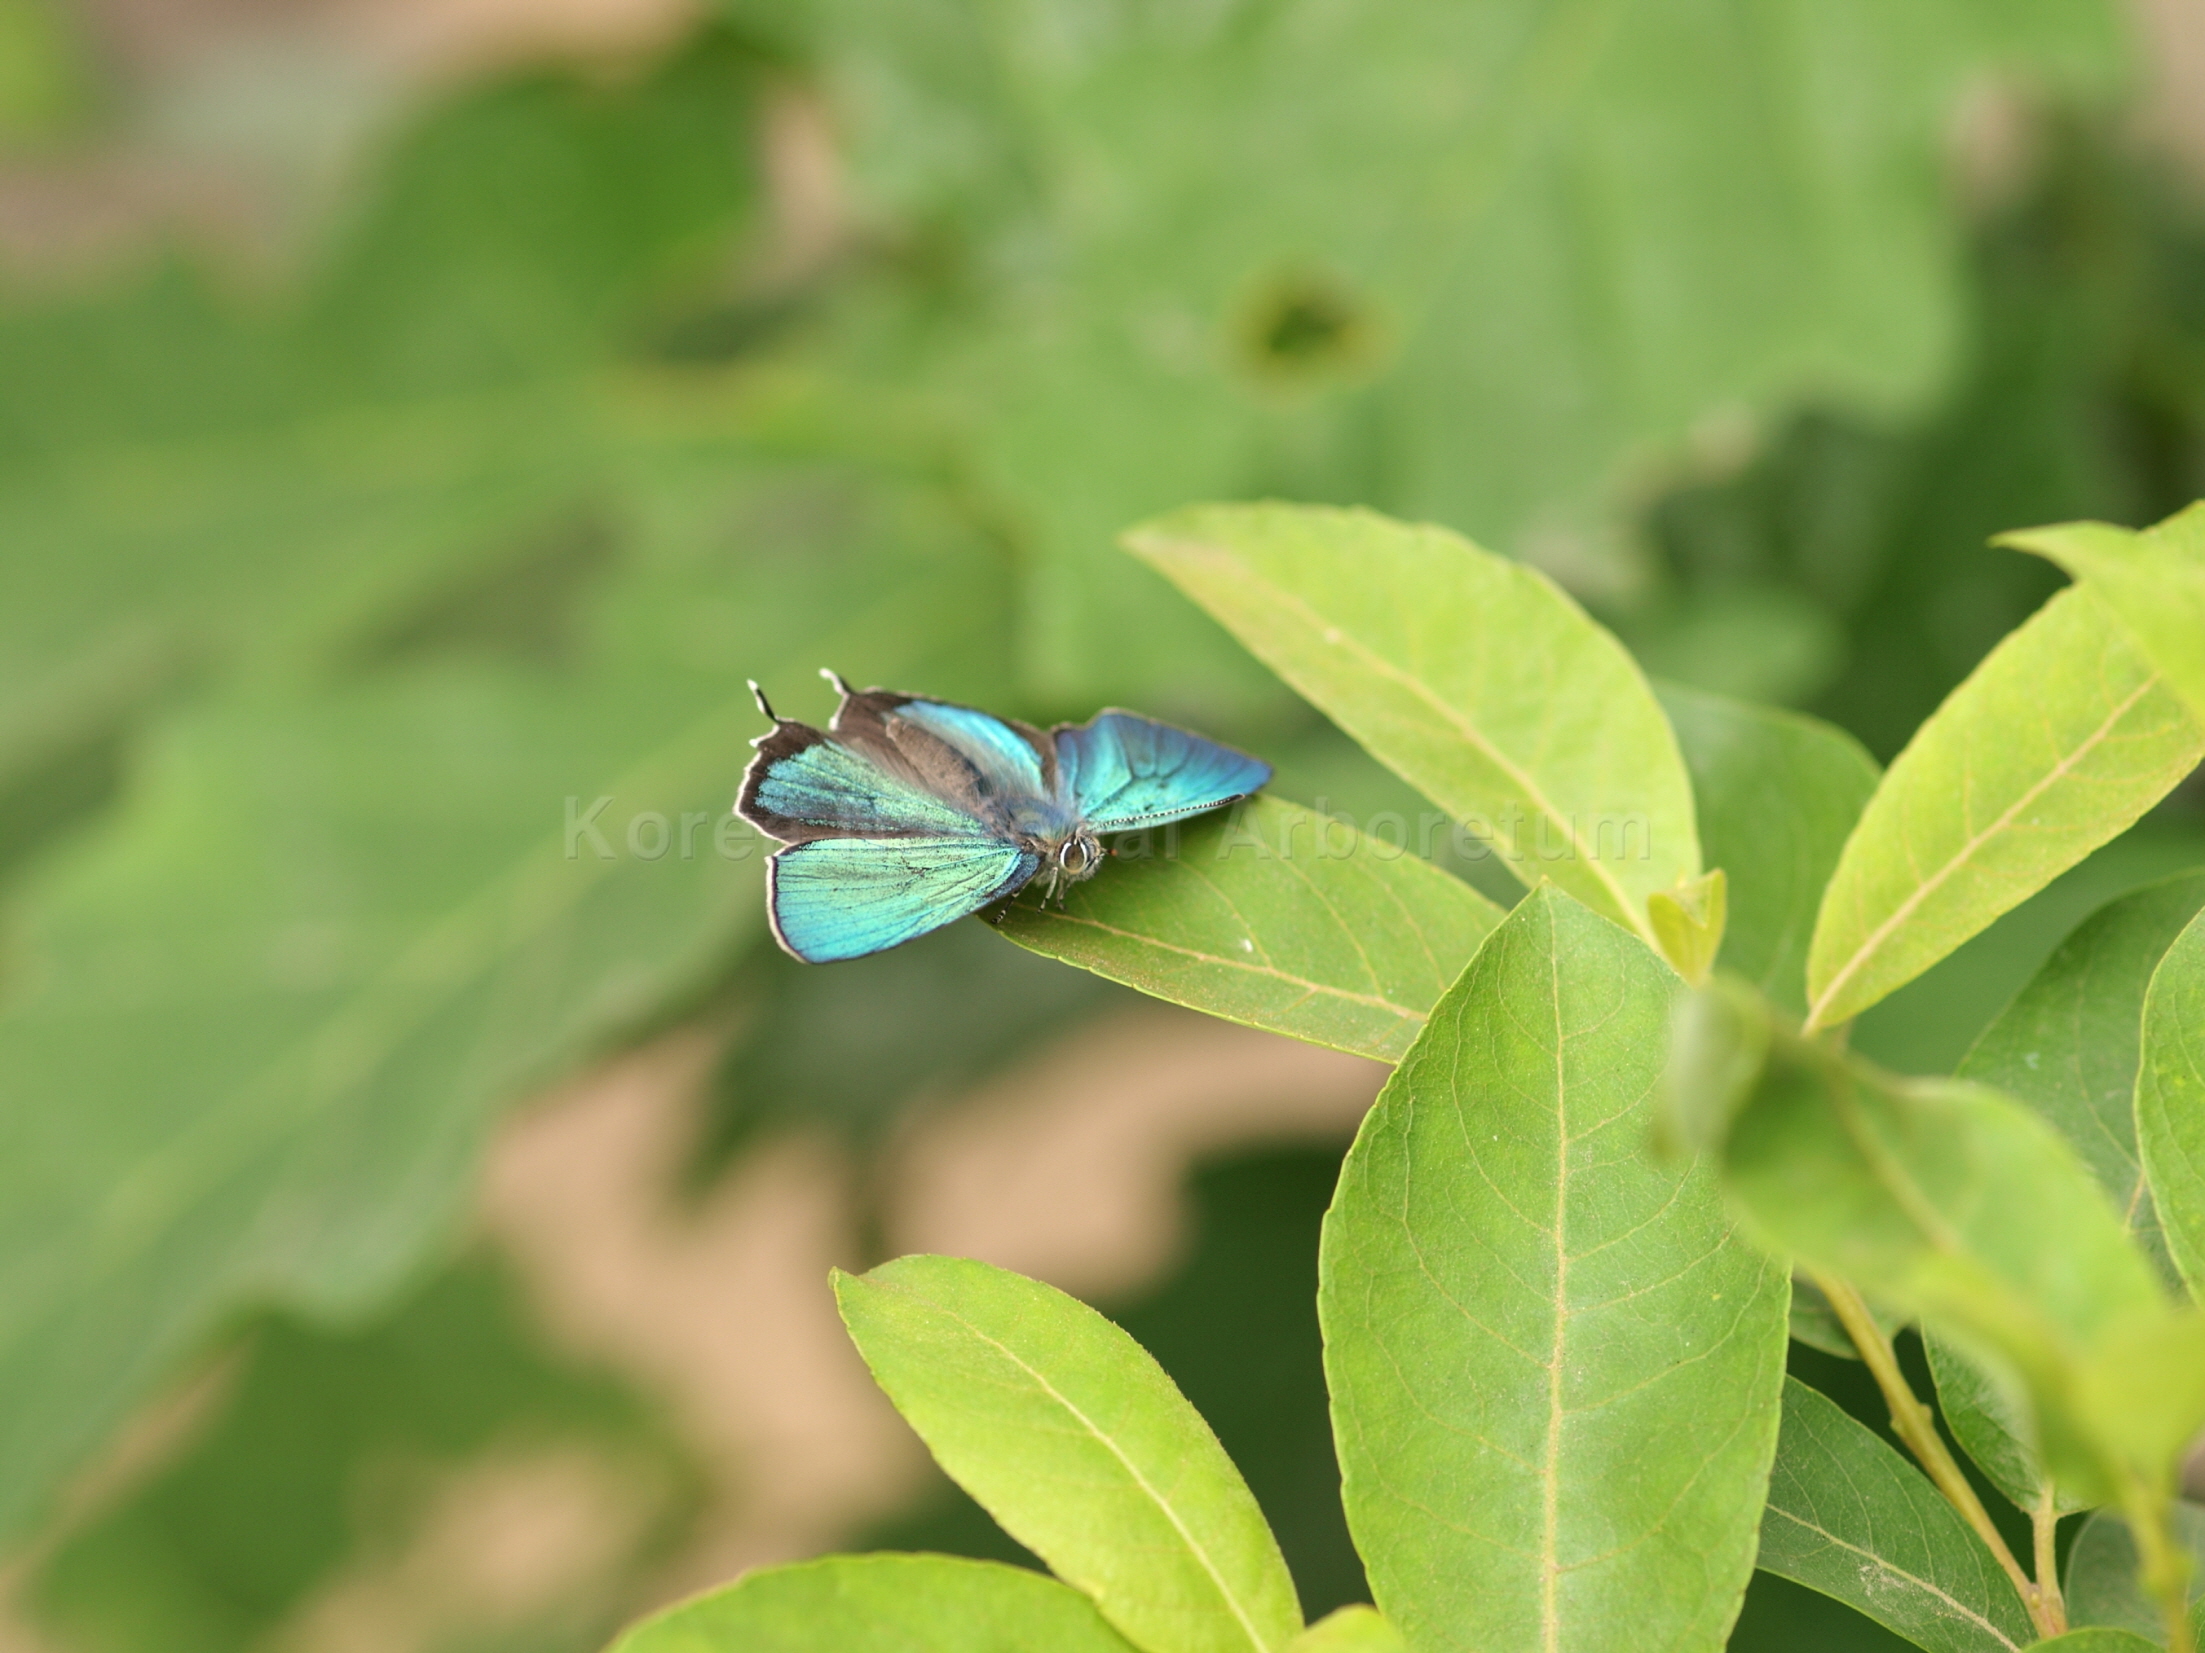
x,y
841,688
764,705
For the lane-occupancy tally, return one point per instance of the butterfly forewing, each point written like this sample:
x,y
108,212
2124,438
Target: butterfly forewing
x,y
1005,757
1121,771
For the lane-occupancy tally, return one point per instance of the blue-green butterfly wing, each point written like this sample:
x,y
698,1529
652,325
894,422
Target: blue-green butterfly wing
x,y
808,785
841,898
894,819
1120,772
1004,755
905,813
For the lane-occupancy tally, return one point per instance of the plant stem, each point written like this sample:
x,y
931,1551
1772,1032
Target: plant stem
x,y
2045,1520
1911,1420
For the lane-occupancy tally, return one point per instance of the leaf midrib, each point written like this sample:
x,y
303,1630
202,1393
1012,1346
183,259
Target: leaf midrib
x,y
1373,1000
1194,1547
1550,1611
1884,1565
1470,733
1929,886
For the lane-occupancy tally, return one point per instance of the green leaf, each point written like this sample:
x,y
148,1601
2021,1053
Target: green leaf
x,y
1849,1517
1274,917
1350,1630
261,1024
1944,1199
2098,1641
1482,264
2056,743
1554,1369
2068,1046
2155,581
1074,1439
1688,923
1992,1424
2146,1385
2170,1100
1475,679
1813,1324
2070,1043
1777,793
881,1604
2101,1581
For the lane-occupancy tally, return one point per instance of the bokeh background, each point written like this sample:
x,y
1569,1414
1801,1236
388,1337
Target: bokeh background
x,y
418,418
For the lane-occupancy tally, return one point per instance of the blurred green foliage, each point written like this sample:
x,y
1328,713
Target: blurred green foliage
x,y
2081,394
318,604
1486,264
47,79
800,1057
266,1503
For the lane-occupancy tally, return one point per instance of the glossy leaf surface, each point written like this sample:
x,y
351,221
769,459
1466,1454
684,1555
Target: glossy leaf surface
x,y
1475,679
2101,1579
2056,743
2155,581
1271,916
2170,1100
1350,1630
1071,1436
881,1604
1848,1516
1777,795
2068,1047
1944,1199
2070,1043
1554,1368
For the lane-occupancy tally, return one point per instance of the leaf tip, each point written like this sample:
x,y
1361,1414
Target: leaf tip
x,y
1688,923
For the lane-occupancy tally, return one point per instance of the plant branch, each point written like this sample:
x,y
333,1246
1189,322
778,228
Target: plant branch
x,y
2044,1520
1914,1425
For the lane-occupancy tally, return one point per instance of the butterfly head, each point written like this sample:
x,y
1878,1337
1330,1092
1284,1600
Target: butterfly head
x,y
1068,860
1078,856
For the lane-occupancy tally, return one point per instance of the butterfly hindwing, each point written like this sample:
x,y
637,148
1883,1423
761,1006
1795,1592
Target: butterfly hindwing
x,y
1121,771
841,898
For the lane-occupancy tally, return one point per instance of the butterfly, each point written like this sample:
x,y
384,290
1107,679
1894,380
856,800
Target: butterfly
x,y
905,813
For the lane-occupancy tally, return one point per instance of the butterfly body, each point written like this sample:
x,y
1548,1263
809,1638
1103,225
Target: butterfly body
x,y
905,813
